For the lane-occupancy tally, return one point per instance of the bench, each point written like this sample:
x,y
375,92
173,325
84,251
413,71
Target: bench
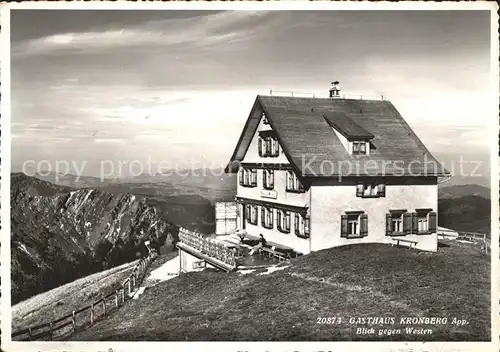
x,y
412,243
273,253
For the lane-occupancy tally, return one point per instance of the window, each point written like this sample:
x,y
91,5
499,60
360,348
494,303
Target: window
x,y
268,146
359,148
354,225
267,217
370,190
199,264
292,183
251,214
284,221
248,177
301,225
399,222
268,179
265,121
424,221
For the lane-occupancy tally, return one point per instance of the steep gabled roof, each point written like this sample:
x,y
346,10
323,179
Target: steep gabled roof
x,y
303,127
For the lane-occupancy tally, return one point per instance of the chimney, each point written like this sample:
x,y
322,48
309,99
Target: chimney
x,y
335,90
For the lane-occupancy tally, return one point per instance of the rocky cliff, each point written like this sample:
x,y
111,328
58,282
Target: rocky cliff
x,y
60,233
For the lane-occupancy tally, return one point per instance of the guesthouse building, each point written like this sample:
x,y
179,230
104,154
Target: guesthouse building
x,y
315,173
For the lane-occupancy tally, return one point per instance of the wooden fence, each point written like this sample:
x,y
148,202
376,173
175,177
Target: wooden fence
x,y
208,247
88,315
477,238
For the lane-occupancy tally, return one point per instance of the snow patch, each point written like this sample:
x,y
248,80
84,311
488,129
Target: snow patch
x,y
166,272
274,268
246,272
24,249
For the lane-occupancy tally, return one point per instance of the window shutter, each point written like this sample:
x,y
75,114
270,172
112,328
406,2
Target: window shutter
x,y
414,223
407,223
262,216
271,217
271,178
247,212
241,176
432,222
264,178
296,223
381,190
359,190
388,224
254,177
363,219
343,227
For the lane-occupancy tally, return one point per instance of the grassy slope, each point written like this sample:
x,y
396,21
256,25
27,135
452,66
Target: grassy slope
x,y
62,300
351,281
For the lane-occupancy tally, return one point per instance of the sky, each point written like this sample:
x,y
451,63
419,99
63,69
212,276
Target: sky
x,y
93,88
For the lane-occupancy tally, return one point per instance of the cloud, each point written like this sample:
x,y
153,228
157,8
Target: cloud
x,y
199,31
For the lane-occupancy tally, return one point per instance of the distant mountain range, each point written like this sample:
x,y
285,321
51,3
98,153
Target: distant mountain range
x,y
446,192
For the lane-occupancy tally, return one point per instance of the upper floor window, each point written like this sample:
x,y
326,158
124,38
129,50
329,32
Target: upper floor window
x,y
248,177
268,146
268,179
251,213
265,121
293,183
301,225
354,224
370,189
284,221
267,217
359,148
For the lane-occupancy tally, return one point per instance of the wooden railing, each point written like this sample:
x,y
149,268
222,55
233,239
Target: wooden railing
x,y
88,315
208,247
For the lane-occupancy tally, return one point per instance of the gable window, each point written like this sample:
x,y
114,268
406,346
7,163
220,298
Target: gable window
x,y
268,179
265,120
251,214
268,146
370,190
248,177
267,217
284,221
293,183
301,225
358,148
354,225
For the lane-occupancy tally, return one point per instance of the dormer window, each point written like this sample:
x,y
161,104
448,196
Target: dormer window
x,y
359,148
